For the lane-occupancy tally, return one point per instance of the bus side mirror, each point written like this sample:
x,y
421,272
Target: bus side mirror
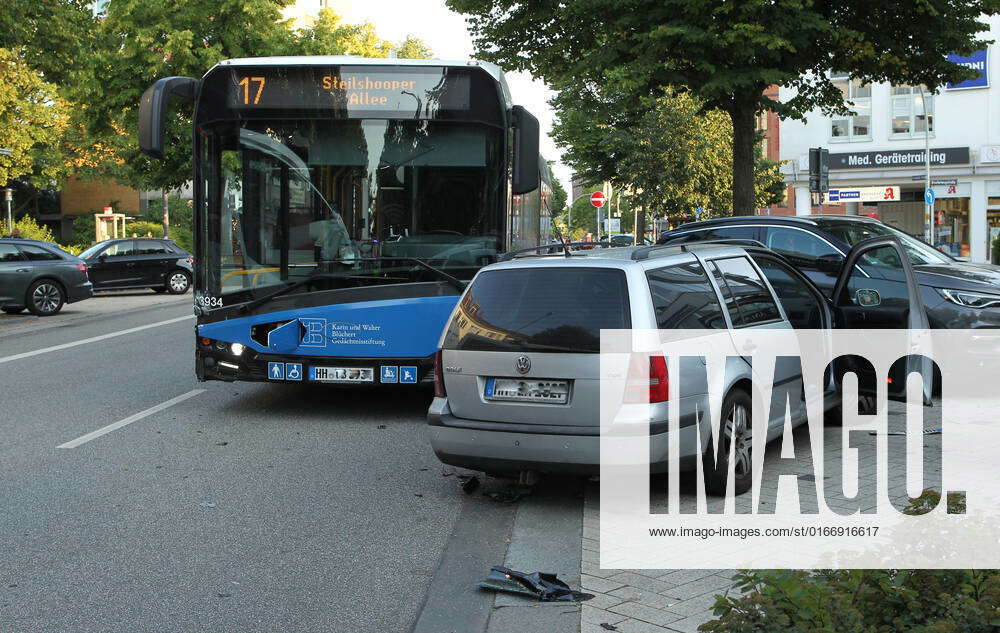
x,y
153,110
526,175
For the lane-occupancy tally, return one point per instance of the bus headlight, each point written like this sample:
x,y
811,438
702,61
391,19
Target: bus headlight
x,y
236,349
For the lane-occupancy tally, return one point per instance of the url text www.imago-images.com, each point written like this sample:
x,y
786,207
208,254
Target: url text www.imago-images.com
x,y
780,448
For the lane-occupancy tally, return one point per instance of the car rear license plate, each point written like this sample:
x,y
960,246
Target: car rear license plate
x,y
523,390
342,374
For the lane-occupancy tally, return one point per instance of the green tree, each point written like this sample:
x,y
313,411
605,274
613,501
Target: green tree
x,y
673,159
56,36
33,120
559,194
726,53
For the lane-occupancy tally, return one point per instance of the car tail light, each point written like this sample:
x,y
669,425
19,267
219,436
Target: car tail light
x,y
642,387
82,268
439,391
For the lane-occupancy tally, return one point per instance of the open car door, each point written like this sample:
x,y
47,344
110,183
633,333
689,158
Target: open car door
x,y
877,289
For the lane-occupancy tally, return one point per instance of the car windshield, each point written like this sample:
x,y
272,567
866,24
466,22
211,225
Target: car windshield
x,y
854,232
90,252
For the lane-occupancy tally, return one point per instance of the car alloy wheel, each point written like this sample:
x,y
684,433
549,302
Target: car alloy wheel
x,y
738,438
47,298
178,283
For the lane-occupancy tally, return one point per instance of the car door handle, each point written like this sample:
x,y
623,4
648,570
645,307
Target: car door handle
x,y
23,270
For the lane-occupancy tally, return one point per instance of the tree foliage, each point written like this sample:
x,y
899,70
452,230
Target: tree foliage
x,y
673,159
726,53
33,119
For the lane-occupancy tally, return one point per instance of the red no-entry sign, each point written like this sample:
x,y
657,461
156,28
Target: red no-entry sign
x,y
597,199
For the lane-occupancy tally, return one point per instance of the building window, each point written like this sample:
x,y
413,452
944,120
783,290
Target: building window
x,y
906,112
857,97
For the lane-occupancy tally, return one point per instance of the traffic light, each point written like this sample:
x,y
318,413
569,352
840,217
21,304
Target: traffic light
x,y
819,169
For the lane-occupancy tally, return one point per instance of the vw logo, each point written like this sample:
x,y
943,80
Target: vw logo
x,y
522,364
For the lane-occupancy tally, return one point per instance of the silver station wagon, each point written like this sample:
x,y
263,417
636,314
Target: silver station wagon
x,y
518,371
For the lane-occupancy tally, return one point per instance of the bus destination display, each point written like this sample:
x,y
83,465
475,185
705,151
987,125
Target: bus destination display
x,y
420,91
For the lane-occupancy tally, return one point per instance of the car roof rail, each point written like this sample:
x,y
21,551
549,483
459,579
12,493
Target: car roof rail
x,y
651,251
552,248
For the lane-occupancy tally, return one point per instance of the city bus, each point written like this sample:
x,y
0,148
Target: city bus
x,y
342,204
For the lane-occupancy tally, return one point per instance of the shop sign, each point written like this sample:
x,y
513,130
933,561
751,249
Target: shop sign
x,y
978,62
989,154
963,190
899,158
864,194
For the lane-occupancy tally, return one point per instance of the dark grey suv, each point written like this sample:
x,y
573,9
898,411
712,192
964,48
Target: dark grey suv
x,y
40,277
956,294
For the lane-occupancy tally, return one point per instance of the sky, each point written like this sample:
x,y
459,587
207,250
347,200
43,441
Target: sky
x,y
446,34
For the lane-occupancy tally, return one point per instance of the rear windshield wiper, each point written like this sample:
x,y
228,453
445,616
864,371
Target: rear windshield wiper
x,y
320,274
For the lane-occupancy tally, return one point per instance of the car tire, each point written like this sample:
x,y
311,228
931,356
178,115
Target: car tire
x,y
178,282
13,309
737,408
45,297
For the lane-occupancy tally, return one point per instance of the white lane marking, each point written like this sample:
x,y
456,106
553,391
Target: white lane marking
x,y
93,435
93,339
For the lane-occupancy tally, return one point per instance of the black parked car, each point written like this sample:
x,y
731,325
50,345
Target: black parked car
x,y
140,262
956,294
40,277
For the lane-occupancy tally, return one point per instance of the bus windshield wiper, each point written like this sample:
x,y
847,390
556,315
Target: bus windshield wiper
x,y
322,273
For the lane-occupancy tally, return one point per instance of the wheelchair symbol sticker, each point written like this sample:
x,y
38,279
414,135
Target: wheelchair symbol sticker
x,y
276,371
390,373
408,375
293,371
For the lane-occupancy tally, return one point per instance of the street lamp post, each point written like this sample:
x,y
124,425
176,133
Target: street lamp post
x,y
928,207
8,196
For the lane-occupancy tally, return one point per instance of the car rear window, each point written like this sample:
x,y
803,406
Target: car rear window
x,y
540,309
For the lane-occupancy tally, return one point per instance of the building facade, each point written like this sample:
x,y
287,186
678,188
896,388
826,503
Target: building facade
x,y
877,157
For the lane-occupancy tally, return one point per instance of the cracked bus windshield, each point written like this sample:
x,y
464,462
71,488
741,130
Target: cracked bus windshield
x,y
342,199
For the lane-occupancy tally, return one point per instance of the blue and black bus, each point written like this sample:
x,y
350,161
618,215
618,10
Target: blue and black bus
x,y
342,203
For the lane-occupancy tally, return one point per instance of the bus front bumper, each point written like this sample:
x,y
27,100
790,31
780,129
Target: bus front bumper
x,y
221,364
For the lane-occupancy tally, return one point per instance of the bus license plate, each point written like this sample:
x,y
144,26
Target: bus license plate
x,y
518,390
341,374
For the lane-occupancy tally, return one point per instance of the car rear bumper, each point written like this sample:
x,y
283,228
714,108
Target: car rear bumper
x,y
483,446
79,292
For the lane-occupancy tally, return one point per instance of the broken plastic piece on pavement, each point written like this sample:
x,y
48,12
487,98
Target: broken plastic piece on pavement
x,y
469,483
544,587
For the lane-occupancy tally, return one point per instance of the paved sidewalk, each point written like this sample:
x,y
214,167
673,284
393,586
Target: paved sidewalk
x,y
680,600
643,600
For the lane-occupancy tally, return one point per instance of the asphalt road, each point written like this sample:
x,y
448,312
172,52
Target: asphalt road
x,y
242,507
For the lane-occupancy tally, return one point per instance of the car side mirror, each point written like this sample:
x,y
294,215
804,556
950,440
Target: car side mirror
x,y
830,264
867,298
102,259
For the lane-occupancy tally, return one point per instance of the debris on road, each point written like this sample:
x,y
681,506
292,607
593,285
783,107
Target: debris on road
x,y
221,443
544,587
380,426
511,494
469,483
608,627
